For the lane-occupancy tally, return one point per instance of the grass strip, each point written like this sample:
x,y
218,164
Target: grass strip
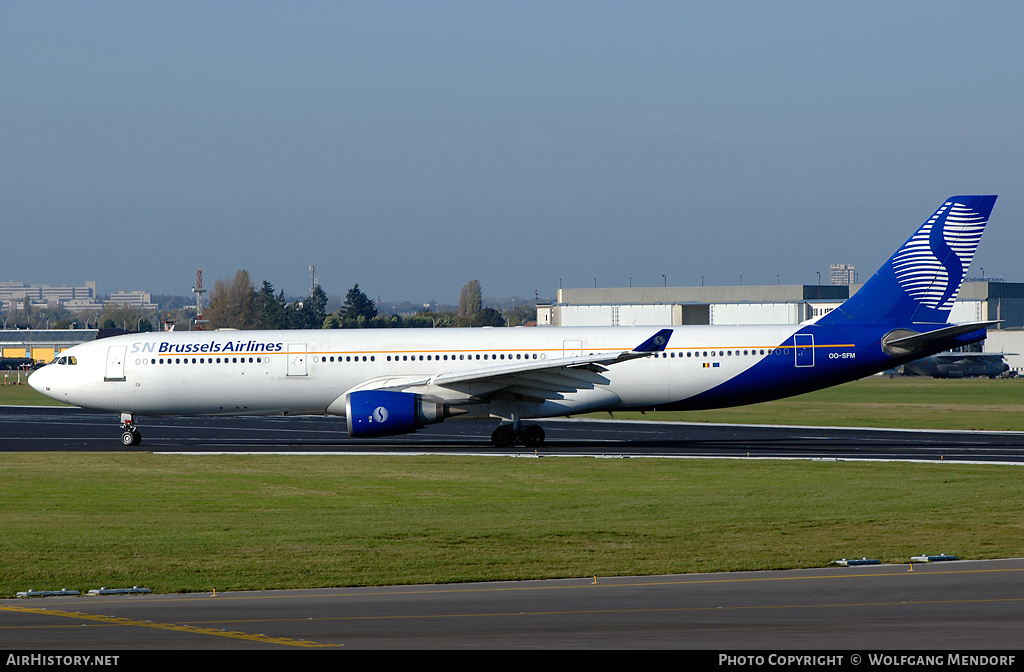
x,y
14,394
192,523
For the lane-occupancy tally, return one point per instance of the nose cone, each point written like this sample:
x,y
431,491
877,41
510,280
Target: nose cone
x,y
45,381
36,380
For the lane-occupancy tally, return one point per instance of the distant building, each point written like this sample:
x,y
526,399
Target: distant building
x,y
17,295
136,299
752,304
640,306
843,274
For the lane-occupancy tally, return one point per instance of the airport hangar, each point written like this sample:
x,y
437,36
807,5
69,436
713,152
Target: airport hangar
x,y
979,300
42,345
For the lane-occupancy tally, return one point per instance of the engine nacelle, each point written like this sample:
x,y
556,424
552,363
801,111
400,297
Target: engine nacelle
x,y
385,413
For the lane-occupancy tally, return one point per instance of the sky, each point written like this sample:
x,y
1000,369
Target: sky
x,y
410,147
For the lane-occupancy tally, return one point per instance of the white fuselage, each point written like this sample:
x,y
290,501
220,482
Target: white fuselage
x,y
308,372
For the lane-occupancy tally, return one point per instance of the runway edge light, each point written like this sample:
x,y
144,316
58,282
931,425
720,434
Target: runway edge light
x,y
863,561
119,591
47,593
933,558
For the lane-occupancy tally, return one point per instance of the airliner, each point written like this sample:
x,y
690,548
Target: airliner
x,y
390,382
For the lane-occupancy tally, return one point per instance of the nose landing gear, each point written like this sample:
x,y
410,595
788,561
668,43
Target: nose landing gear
x,y
130,435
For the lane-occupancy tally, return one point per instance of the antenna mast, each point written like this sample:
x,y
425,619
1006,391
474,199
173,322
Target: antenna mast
x,y
198,291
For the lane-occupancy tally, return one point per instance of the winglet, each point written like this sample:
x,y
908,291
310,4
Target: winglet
x,y
656,343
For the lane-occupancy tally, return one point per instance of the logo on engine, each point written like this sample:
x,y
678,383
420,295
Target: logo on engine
x,y
380,414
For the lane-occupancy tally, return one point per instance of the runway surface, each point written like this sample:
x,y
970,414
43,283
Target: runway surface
x,y
949,606
62,428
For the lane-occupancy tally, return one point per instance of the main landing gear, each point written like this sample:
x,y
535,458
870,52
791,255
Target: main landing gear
x,y
130,435
507,434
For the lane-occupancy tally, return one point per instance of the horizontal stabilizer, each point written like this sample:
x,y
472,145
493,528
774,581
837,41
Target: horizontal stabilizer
x,y
910,343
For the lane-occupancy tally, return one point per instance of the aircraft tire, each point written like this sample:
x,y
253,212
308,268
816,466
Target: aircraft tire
x,y
130,438
503,437
533,436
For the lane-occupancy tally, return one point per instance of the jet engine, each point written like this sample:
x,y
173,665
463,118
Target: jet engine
x,y
386,413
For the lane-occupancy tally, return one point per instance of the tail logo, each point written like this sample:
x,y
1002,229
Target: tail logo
x,y
931,266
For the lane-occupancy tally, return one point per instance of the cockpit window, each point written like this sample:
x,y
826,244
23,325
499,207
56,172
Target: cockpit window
x,y
66,360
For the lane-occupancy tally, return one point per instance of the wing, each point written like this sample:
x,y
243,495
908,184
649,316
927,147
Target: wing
x,y
536,379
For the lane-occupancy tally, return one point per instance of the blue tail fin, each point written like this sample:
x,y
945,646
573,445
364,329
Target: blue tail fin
x,y
920,282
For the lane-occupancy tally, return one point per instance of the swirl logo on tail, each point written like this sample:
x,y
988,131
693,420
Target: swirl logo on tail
x,y
932,265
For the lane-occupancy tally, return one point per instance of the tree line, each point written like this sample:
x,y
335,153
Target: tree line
x,y
238,304
112,316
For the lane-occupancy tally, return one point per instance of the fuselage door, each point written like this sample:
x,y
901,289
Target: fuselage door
x,y
804,349
572,348
296,359
115,363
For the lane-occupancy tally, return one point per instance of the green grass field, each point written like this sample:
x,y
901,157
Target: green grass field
x,y
192,523
12,394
